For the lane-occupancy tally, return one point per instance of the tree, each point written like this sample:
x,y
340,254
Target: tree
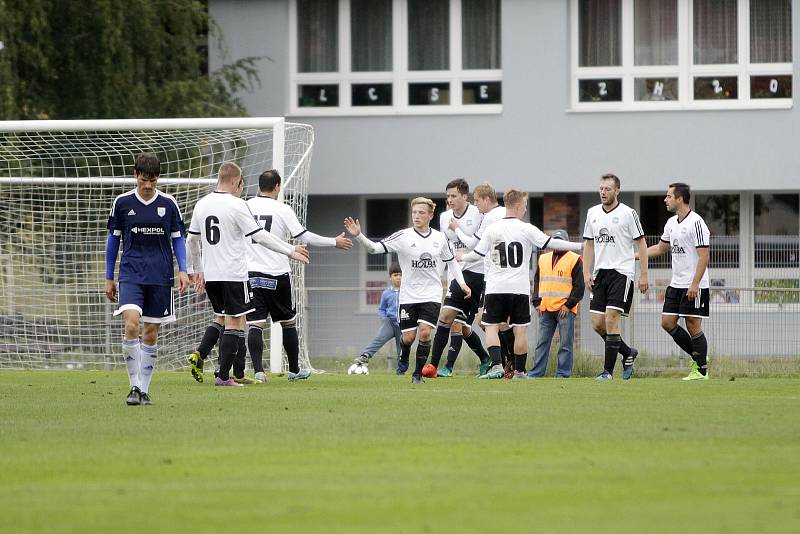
x,y
114,59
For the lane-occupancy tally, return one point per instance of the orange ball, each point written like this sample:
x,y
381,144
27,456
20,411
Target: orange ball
x,y
429,371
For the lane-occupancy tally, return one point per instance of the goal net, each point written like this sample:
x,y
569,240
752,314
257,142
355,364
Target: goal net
x,y
58,180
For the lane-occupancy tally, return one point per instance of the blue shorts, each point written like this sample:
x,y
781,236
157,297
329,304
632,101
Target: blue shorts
x,y
154,303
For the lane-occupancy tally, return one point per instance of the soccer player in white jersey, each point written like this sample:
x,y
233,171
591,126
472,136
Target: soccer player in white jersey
x,y
223,225
486,201
508,244
686,237
422,252
149,225
611,230
269,275
458,313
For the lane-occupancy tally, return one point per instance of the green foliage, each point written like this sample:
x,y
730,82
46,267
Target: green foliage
x,y
339,454
777,297
114,59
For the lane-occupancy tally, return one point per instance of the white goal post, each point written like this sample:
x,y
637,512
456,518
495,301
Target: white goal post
x,y
57,182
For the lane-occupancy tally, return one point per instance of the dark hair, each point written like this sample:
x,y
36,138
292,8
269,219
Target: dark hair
x,y
682,190
147,164
395,268
461,184
610,176
269,180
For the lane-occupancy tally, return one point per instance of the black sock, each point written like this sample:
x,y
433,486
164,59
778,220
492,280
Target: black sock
x,y
624,349
494,354
423,349
474,342
291,344
506,344
255,342
228,346
519,362
700,352
455,347
405,351
612,347
683,339
210,338
439,343
240,361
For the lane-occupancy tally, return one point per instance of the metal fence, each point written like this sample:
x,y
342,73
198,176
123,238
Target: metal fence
x,y
755,310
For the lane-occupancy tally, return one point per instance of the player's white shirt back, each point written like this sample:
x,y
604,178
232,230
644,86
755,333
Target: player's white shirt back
x,y
492,216
613,233
224,223
469,222
422,258
508,244
684,238
279,219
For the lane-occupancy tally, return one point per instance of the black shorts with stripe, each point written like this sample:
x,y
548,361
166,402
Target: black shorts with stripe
x,y
466,308
511,308
676,303
233,299
611,289
272,297
412,314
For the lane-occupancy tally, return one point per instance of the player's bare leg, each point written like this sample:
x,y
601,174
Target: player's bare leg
x,y
520,352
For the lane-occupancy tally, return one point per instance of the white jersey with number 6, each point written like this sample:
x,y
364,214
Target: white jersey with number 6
x,y
508,245
224,224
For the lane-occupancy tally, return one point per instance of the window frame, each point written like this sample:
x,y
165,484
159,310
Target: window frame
x,y
399,77
685,71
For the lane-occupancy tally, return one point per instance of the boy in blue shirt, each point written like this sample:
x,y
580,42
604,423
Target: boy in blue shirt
x,y
390,323
150,227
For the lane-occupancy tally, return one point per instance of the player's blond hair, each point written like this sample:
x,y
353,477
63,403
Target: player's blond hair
x,y
513,197
422,200
228,172
485,190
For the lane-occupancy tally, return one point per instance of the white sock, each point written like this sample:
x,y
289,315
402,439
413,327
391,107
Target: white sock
x,y
130,349
147,366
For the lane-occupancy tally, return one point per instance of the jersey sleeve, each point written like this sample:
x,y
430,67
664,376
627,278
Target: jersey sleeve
x,y
393,243
483,245
115,225
634,226
665,236
177,228
588,232
245,220
537,238
292,222
446,253
194,225
702,235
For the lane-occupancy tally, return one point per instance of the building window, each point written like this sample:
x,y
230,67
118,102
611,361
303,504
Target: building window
x,y
366,57
681,54
776,229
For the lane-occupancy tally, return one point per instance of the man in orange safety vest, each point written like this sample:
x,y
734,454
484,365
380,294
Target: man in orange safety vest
x,y
557,290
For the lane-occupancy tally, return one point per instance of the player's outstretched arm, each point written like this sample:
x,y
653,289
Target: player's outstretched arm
x,y
658,249
558,244
354,227
316,240
112,250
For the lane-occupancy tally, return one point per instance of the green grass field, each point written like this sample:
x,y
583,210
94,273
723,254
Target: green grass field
x,y
373,454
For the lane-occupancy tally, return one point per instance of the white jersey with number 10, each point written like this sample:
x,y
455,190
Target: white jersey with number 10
x,y
508,245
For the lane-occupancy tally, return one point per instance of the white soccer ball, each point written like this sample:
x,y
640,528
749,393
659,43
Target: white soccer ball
x,y
358,369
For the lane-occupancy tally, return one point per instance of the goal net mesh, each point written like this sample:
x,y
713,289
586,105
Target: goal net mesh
x,y
56,191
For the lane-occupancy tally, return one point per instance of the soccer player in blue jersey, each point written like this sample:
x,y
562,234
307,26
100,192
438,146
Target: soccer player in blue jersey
x,y
149,225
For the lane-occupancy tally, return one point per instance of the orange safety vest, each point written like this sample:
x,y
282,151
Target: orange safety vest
x,y
555,282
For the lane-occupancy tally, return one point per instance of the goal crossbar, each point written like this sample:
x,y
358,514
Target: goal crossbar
x,y
141,124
